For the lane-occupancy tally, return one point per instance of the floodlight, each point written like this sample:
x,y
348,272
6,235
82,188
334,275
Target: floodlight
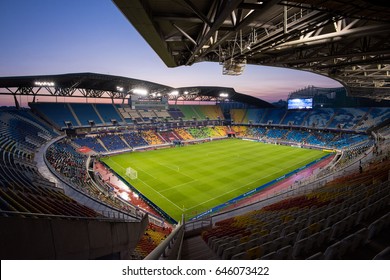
x,y
119,88
225,95
175,93
44,84
140,91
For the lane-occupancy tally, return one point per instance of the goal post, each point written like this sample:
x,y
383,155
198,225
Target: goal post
x,y
131,173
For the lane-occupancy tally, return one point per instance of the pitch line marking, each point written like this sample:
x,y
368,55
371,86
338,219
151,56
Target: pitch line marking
x,y
161,195
174,187
236,189
232,190
150,186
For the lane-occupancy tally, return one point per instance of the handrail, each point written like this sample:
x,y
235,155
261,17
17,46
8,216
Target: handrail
x,y
41,215
169,242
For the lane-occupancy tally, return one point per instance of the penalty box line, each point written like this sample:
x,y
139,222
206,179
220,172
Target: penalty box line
x,y
146,184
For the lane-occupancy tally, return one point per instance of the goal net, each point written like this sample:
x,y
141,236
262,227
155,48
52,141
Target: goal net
x,y
131,173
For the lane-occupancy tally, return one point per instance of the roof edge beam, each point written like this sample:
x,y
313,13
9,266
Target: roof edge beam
x,y
226,12
197,12
184,34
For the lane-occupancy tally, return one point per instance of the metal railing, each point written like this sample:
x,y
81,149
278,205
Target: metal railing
x,y
170,248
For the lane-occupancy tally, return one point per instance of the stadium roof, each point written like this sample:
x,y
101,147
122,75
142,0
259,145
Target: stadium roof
x,y
346,40
94,85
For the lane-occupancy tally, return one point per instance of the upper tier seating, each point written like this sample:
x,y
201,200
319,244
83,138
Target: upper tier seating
x,y
85,113
374,117
274,116
108,113
255,115
175,113
319,118
188,112
64,114
56,113
238,116
359,119
347,118
295,117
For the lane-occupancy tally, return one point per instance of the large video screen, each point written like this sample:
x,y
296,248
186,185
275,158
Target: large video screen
x,y
300,103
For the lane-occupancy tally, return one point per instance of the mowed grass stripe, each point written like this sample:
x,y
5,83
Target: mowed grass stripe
x,y
198,177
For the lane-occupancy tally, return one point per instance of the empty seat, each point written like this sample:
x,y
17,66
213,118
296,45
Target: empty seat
x,y
240,256
299,248
255,252
338,229
357,239
270,256
229,244
375,228
333,251
285,253
316,256
311,243
383,255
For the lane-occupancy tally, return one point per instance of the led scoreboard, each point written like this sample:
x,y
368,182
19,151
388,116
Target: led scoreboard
x,y
141,102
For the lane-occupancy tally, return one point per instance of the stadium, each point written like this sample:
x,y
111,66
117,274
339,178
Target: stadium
x,y
149,171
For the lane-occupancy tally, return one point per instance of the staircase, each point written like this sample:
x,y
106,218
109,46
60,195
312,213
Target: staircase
x,y
194,248
98,114
74,114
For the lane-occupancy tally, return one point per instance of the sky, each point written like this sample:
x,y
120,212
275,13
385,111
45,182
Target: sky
x,y
45,37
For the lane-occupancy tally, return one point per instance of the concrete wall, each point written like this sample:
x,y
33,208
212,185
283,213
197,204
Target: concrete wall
x,y
32,238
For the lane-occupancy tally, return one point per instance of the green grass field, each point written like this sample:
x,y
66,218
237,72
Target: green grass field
x,y
195,178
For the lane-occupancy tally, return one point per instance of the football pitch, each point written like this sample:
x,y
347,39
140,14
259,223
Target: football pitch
x,y
195,178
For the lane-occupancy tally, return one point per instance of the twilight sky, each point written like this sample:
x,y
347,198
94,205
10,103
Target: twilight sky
x,y
42,37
